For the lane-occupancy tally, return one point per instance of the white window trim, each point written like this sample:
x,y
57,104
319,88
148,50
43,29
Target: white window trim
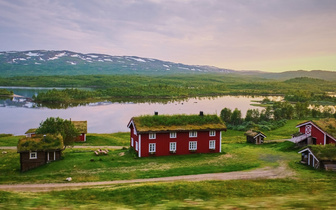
x,y
212,134
191,144
172,135
191,134
136,146
170,146
132,142
153,147
214,144
152,135
30,155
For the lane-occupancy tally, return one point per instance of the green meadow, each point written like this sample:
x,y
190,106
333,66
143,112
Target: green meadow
x,y
305,188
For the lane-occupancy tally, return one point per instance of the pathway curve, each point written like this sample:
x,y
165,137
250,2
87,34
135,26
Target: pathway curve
x,y
281,171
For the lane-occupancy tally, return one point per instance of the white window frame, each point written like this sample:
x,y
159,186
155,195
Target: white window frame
x,y
212,144
192,134
192,145
152,147
172,135
212,133
136,146
132,142
172,146
152,135
32,155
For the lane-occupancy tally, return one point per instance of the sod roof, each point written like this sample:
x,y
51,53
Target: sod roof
x,y
32,130
253,133
327,124
81,126
40,143
324,152
162,123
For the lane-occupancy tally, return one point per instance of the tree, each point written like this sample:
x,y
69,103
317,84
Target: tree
x,y
59,126
236,117
248,116
225,115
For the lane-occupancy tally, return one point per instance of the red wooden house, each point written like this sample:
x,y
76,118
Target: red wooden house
x,y
319,132
162,135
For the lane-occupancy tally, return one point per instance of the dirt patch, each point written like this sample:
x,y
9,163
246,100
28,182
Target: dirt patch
x,y
281,171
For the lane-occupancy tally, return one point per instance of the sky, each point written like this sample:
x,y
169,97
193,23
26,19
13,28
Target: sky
x,y
266,35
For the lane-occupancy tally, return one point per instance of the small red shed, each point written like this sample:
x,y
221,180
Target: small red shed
x,y
319,132
162,135
81,127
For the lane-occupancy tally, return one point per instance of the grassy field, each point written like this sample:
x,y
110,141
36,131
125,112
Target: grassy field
x,y
108,139
308,188
9,140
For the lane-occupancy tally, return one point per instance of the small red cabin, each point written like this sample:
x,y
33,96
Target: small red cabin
x,y
81,127
319,132
161,135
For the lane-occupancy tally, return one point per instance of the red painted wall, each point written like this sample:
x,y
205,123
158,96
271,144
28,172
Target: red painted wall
x,y
182,139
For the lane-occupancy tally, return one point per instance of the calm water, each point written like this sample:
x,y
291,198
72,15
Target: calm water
x,y
18,115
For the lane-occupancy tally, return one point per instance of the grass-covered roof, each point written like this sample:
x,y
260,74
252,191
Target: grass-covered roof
x,y
324,152
81,126
157,123
32,130
253,133
40,143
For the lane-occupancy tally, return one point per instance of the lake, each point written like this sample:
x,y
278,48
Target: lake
x,y
18,115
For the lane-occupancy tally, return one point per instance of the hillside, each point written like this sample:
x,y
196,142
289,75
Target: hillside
x,y
41,62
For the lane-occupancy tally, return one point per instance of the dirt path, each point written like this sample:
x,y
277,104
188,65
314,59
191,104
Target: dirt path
x,y
264,173
79,147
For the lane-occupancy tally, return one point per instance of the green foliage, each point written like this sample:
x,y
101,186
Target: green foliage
x,y
58,125
4,92
40,143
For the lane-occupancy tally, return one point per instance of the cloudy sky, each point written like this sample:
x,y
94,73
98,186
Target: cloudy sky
x,y
268,35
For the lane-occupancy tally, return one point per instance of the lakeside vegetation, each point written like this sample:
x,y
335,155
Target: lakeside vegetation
x,y
136,87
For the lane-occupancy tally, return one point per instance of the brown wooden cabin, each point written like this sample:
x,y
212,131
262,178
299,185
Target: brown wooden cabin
x,y
39,150
319,156
255,137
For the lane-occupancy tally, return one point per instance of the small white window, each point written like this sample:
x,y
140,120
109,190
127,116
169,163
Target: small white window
x,y
152,135
33,155
172,146
192,145
136,146
173,135
193,134
132,142
212,133
212,144
134,131
152,147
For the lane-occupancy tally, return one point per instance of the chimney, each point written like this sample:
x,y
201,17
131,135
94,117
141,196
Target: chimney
x,y
201,113
156,113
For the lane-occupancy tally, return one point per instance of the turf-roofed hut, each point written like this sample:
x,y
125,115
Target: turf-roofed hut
x,y
319,156
255,137
319,132
39,150
162,135
81,127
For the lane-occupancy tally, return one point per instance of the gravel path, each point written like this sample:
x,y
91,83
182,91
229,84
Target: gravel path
x,y
264,173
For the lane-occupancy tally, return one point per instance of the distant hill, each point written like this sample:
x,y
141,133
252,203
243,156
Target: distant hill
x,y
42,62
49,62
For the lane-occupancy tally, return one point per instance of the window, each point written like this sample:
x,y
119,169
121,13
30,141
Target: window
x,y
152,135
172,146
212,144
132,142
192,145
152,147
134,131
136,146
308,129
212,133
193,134
173,135
33,155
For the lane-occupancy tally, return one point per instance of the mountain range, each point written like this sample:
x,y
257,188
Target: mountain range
x,y
50,62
